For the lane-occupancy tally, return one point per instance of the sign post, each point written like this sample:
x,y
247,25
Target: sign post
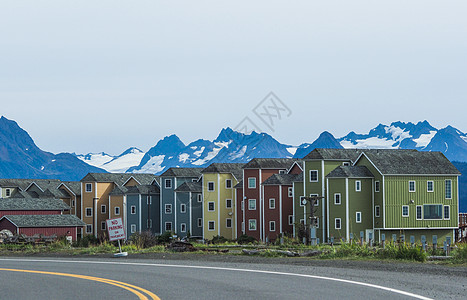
x,y
116,233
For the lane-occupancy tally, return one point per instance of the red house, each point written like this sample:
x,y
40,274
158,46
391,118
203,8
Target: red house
x,y
252,199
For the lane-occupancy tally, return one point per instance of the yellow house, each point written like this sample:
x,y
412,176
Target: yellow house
x,y
219,217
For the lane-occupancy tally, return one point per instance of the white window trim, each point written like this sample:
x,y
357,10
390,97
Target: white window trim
x,y
182,208
103,227
291,219
227,203
317,175
168,180
73,203
131,210
228,180
227,223
86,211
88,226
346,163
272,223
358,185
200,222
444,212
252,221
408,211
213,186
249,208
252,187
290,192
335,224
421,212
356,217
165,226
213,206
377,184
432,185
414,186
213,227
165,209
117,210
273,202
377,211
450,184
86,187
335,199
181,227
133,228
103,209
200,198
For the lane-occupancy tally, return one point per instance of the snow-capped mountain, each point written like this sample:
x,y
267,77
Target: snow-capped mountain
x,y
114,164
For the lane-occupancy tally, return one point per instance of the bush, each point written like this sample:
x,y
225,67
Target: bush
x,y
144,239
164,238
459,255
245,239
218,239
85,241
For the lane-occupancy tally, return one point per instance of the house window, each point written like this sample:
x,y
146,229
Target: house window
x,y
7,192
200,198
168,183
302,202
419,212
133,210
182,227
200,222
228,203
272,226
252,183
89,228
210,186
228,183
290,192
411,186
133,228
73,203
102,225
251,204
377,186
405,210
313,175
358,217
432,212
358,186
228,223
272,203
281,171
117,210
377,214
346,163
252,225
168,226
446,212
316,200
168,208
183,208
103,209
88,212
448,188
211,225
88,187
337,199
211,206
290,219
429,186
337,223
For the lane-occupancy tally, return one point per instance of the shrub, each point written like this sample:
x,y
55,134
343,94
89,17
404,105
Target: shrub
x,y
85,241
245,239
144,239
218,239
459,255
164,238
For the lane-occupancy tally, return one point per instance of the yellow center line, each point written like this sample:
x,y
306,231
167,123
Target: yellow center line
x,y
129,287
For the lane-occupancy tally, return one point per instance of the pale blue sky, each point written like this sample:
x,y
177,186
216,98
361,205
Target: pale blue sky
x,y
90,76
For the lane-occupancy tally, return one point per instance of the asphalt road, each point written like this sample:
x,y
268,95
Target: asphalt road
x,y
127,278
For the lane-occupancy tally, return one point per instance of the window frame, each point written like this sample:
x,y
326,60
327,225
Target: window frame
x,y
103,209
414,186
117,210
133,210
86,189
227,203
211,186
227,223
444,212
419,209
103,225
291,219
250,181
432,186
169,185
408,211
377,186
317,200
200,222
312,176
272,201
213,206
273,227
213,225
86,212
181,227
168,209
358,185
165,226
250,222
133,228
377,211
249,204
335,223
199,198
358,217
446,187
335,199
182,208
88,226
290,192
7,192
227,185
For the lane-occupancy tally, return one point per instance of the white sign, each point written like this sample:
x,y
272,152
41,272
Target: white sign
x,y
115,229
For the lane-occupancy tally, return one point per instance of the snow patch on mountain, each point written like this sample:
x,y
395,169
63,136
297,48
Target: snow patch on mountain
x,y
424,139
372,142
95,159
153,166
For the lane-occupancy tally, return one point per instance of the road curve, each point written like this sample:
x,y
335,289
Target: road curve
x,y
120,278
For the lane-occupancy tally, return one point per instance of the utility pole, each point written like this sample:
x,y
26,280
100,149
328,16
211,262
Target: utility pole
x,y
312,200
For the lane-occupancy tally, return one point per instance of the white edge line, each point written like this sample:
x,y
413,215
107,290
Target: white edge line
x,y
231,269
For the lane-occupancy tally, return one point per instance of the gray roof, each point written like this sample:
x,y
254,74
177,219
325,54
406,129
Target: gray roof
x,y
334,154
15,183
194,187
350,172
119,178
234,168
281,179
44,220
299,178
239,185
270,163
74,186
182,172
143,189
32,204
410,162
